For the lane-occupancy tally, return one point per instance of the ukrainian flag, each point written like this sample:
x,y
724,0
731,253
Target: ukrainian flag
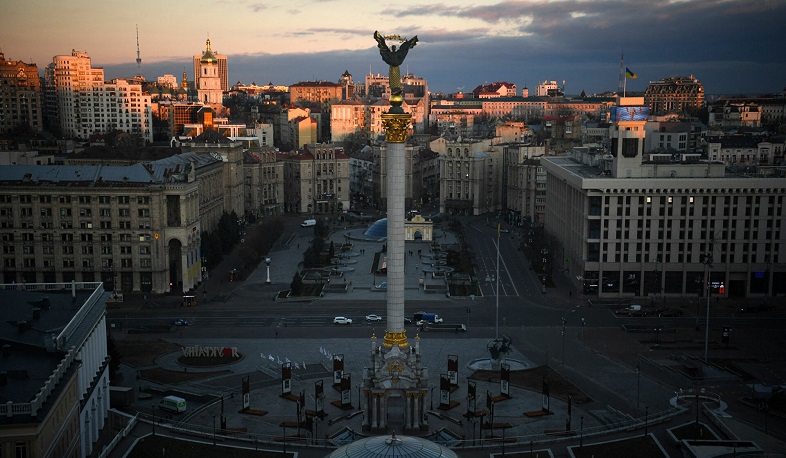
x,y
630,74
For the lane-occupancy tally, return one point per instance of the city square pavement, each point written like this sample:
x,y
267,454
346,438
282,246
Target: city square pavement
x,y
593,369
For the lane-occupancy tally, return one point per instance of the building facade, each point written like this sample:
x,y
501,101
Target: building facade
x,y
677,94
221,64
470,176
137,231
651,229
210,84
321,92
56,388
316,179
523,183
264,182
86,104
20,96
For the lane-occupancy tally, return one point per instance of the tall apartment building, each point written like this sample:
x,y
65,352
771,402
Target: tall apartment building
x,y
222,67
630,226
316,179
20,96
676,94
55,377
210,82
86,104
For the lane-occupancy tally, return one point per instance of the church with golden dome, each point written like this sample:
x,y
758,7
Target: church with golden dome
x,y
210,76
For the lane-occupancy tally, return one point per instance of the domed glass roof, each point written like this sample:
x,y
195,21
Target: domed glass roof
x,y
378,229
386,446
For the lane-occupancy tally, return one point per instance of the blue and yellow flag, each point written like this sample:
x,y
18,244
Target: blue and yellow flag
x,y
630,74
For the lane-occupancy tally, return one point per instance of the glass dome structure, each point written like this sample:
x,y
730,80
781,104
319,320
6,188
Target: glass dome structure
x,y
388,446
379,229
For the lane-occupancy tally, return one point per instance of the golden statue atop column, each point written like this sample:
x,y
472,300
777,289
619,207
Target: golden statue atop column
x,y
395,126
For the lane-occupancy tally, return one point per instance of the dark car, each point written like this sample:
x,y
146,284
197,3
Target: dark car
x,y
407,320
671,312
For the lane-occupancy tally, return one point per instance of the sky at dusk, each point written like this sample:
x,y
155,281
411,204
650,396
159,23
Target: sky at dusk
x,y
731,46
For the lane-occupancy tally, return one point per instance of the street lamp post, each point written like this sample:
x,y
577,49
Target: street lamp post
x,y
564,322
214,429
646,419
638,383
267,266
708,263
581,429
431,391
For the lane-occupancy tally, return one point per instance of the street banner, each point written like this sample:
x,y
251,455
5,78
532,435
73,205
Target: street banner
x,y
453,370
319,397
444,390
246,395
338,368
504,380
286,378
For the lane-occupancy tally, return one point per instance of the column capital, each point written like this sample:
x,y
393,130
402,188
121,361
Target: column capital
x,y
396,126
395,338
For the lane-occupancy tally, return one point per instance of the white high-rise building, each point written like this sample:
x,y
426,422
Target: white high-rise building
x,y
87,105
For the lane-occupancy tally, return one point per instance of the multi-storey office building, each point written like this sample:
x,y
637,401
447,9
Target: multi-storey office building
x,y
630,226
134,228
86,104
20,96
55,385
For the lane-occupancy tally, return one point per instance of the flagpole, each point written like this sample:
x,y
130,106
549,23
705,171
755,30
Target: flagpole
x,y
496,335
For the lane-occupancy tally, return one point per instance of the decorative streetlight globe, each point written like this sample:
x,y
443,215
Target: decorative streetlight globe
x,y
267,266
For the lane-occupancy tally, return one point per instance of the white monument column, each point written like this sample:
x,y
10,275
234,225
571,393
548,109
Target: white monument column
x,y
396,127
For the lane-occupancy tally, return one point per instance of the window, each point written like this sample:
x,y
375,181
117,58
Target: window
x,y
145,262
144,250
124,200
86,237
68,263
106,249
103,199
125,250
124,212
87,249
143,212
84,199
126,262
65,211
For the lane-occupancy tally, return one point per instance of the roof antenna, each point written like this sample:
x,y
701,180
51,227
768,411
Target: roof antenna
x,y
138,58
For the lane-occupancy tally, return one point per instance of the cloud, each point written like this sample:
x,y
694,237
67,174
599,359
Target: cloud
x,y
730,45
257,7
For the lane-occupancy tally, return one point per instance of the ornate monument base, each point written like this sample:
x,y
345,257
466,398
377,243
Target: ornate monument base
x,y
395,390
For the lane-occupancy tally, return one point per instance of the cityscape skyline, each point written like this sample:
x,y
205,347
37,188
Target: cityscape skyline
x,y
522,42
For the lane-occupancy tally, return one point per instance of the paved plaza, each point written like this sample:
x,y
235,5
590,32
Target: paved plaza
x,y
613,389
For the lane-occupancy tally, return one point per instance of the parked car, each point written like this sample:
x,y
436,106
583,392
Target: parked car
x,y
632,310
383,285
373,317
671,312
180,322
342,320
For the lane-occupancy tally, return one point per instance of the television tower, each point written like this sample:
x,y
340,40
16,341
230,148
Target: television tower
x,y
138,58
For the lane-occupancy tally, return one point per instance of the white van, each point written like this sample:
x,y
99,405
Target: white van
x,y
173,403
309,223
